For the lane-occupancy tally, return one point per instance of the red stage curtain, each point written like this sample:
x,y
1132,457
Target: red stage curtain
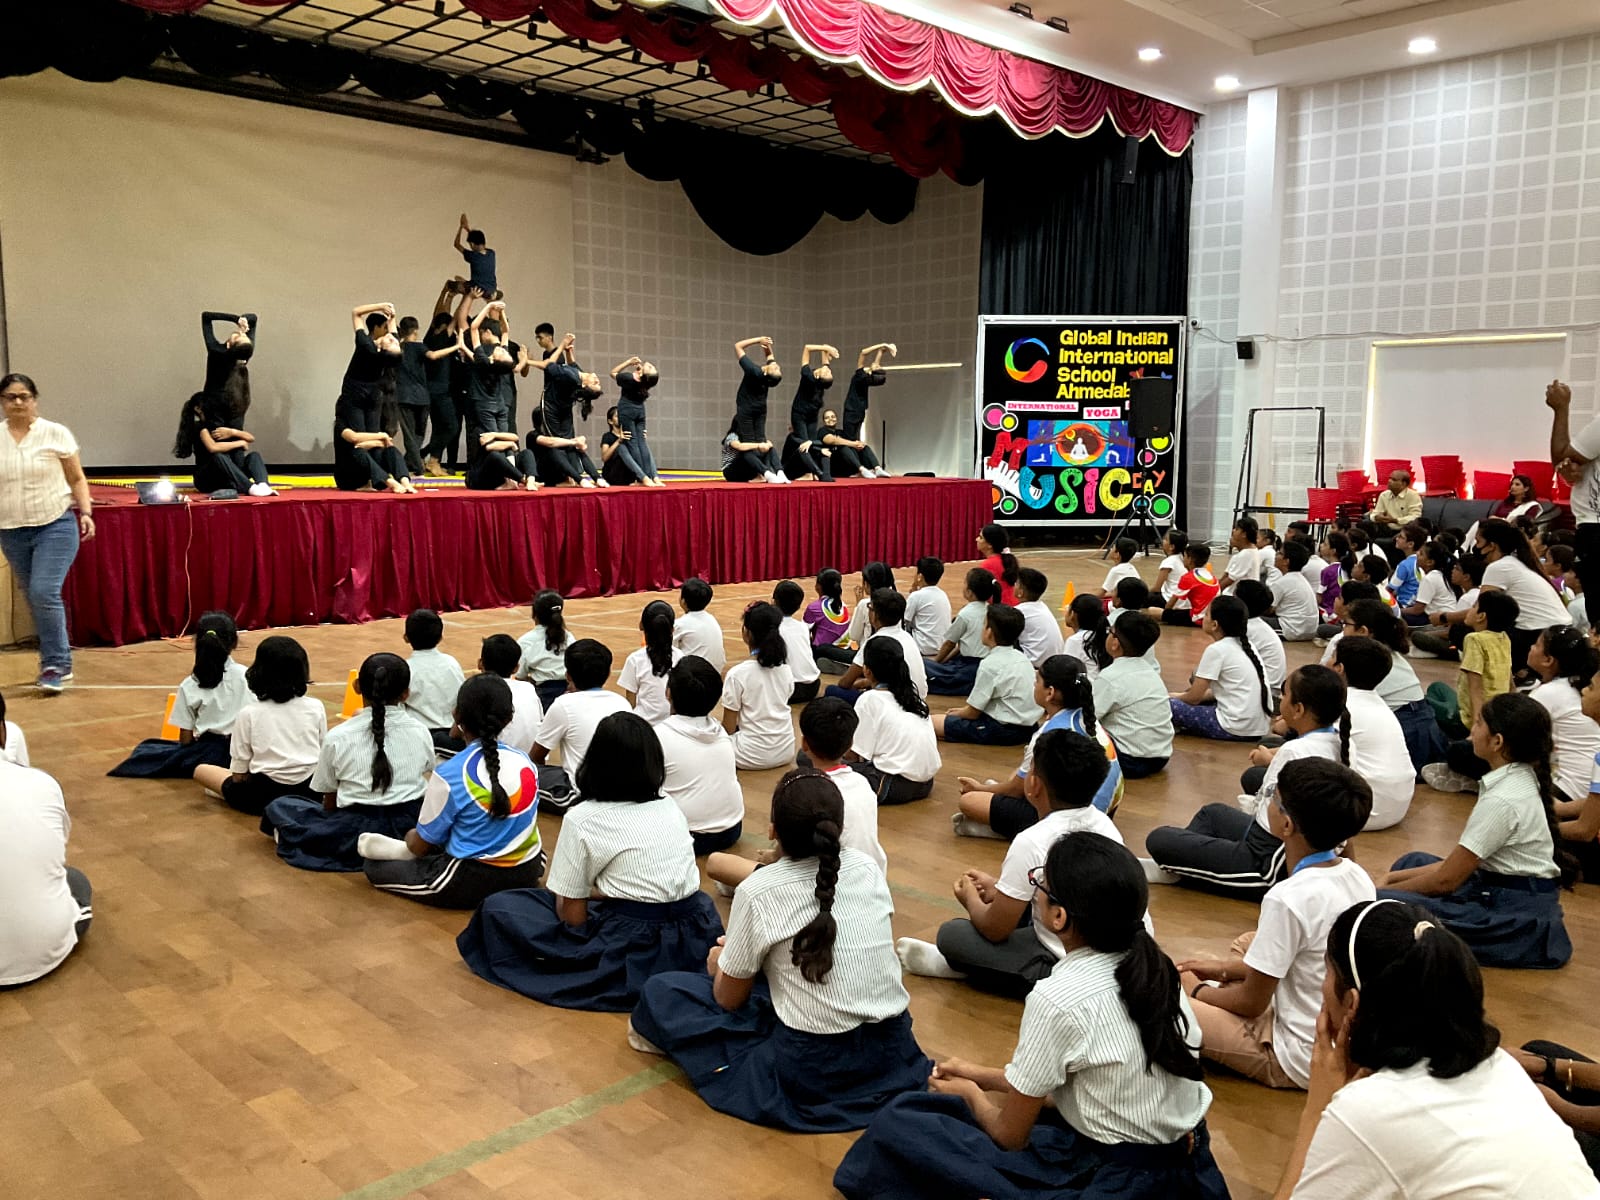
x,y
311,557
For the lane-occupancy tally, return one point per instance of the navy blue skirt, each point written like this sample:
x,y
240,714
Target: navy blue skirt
x,y
313,839
517,941
749,1065
1425,741
929,1147
157,758
1506,920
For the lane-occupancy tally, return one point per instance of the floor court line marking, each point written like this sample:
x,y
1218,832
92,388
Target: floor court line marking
x,y
410,1179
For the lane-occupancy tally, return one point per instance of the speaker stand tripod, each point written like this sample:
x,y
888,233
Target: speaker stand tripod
x,y
1138,518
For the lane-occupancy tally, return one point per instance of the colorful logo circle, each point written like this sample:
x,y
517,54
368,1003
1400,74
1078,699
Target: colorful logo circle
x,y
1008,505
1009,422
1160,444
994,415
1161,506
1034,373
475,775
1147,457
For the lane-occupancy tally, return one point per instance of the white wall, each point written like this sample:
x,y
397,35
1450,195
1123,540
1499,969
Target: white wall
x,y
127,208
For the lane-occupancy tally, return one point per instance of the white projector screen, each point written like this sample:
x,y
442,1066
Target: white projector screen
x,y
1480,399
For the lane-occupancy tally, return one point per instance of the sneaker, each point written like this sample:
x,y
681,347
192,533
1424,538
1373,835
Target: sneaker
x,y
640,1044
602,483
52,681
1441,778
1154,872
216,795
782,478
586,482
262,489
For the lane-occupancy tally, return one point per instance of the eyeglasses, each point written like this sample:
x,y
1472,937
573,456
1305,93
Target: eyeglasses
x,y
1037,882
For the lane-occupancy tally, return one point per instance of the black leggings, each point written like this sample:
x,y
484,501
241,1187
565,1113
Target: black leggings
x,y
376,467
569,463
413,430
491,470
446,426
751,464
237,469
808,462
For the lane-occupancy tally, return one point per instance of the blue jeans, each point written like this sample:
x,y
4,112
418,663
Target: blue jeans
x,y
40,556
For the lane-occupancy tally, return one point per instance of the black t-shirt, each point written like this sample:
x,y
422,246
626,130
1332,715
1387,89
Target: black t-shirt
x,y
437,370
807,405
561,384
220,361
856,401
366,366
753,386
614,471
491,380
411,375
630,404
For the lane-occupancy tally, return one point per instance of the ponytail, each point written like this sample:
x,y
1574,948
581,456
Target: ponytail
x,y
1233,619
808,816
484,708
382,681
1380,622
1324,695
547,607
190,419
1344,737
764,623
985,588
1065,674
830,586
1575,659
215,637
1091,619
656,624
886,659
1000,542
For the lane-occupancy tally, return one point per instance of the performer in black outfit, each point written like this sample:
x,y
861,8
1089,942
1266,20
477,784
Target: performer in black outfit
x,y
635,378
747,462
565,460
750,406
227,385
803,452
851,454
446,332
364,454
211,427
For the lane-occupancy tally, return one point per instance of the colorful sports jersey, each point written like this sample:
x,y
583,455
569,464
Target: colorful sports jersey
x,y
455,808
1109,794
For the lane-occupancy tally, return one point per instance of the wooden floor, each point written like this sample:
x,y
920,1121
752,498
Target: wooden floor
x,y
235,1029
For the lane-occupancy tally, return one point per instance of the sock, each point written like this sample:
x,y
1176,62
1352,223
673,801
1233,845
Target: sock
x,y
965,826
640,1043
923,958
383,849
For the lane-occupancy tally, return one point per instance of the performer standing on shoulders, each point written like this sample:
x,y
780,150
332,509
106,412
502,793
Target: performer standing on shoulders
x,y
750,406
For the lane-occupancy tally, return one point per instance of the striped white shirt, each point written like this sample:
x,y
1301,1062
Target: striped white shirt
x,y
777,902
1507,828
345,765
625,851
33,486
1079,1046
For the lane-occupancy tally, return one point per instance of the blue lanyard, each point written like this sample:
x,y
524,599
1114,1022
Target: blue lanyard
x,y
1312,860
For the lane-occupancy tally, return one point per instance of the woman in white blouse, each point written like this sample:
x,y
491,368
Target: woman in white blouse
x,y
41,481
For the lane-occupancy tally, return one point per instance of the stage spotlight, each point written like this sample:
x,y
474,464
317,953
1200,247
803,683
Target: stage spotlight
x,y
1422,45
162,491
1150,54
1059,24
1022,10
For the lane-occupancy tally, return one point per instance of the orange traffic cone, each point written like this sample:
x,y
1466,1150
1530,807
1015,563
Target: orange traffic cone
x,y
352,699
169,731
1067,597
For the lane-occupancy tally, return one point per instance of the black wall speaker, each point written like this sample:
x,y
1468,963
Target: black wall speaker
x,y
1246,349
1150,407
1130,159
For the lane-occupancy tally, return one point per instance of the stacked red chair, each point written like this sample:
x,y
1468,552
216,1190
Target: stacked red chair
x,y
1490,485
1443,473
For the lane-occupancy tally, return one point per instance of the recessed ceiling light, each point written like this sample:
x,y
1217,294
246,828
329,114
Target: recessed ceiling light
x,y
1150,54
1422,45
1227,83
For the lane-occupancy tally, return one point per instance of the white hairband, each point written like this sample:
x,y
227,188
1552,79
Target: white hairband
x,y
1355,928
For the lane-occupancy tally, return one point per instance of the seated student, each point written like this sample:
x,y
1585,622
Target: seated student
x,y
1374,569
1435,596
828,1041
1340,563
1130,699
886,613
1063,690
1108,1040
1448,629
569,723
1132,596
1123,549
1409,1095
1227,697
477,833
1268,543
46,903
927,607
1407,579
895,748
1570,1084
697,631
208,701
829,618
544,648
1261,1017
1087,626
436,677
994,946
1041,632
500,656
1264,640
1197,588
1232,851
1378,751
1001,709
13,745
644,672
371,775
756,691
1294,605
277,740
1172,567
1499,889
788,596
1484,674
952,670
701,778
623,900
1244,560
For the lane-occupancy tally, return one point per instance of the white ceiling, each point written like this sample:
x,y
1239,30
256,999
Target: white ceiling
x,y
1263,42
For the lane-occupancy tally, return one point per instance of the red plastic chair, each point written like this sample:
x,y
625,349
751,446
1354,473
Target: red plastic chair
x,y
1385,467
1322,505
1541,471
1353,483
1443,473
1490,485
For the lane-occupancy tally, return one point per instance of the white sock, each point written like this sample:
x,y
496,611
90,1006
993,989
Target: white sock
x,y
380,848
640,1043
771,477
1154,872
923,958
966,827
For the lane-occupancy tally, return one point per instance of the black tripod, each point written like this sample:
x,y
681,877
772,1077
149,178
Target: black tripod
x,y
1138,519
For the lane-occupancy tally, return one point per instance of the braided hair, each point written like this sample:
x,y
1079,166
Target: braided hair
x,y
1523,724
1380,622
1574,659
1233,619
1322,691
885,660
383,680
483,709
808,817
215,637
1065,675
656,625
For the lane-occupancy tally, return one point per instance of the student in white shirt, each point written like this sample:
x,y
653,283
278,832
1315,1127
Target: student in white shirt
x,y
701,778
569,723
756,691
1448,629
1378,751
1267,545
886,614
697,631
1244,561
1041,632
46,903
927,607
788,596
1435,596
644,672
622,901
1107,1041
1410,1096
816,924
1264,639
1294,603
1513,569
1564,661
951,671
1400,689
544,648
1132,596
1130,699
1000,711
1172,565
370,777
1228,696
13,744
208,700
895,748
1258,1008
992,946
277,740
436,677
500,656
1123,550
1086,626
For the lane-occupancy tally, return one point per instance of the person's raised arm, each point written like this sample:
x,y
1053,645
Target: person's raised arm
x,y
442,304
358,314
566,348
1558,396
461,231
622,366
740,347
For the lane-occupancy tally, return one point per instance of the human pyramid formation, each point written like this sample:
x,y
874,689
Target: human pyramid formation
x,y
795,1015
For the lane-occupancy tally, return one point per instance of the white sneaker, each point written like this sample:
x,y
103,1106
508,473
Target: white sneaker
x,y
782,478
586,482
1247,803
212,793
262,489
602,483
1154,872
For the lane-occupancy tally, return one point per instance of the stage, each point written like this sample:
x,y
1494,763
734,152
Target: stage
x,y
314,554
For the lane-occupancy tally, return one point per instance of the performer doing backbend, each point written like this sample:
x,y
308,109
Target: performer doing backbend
x,y
749,428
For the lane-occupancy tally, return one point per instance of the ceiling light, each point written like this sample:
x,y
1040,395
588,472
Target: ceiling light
x,y
488,24
1022,10
1059,24
1422,45
1149,53
1227,83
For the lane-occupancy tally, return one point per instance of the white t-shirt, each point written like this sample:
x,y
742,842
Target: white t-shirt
x,y
1236,687
1585,501
1242,564
1434,594
927,617
1041,632
1401,685
280,741
1379,755
893,740
802,662
540,663
639,677
1538,606
699,633
1577,738
1031,848
701,777
38,931
436,679
760,695
1290,943
915,667
526,717
568,727
1315,566
211,710
1267,564
1264,640
1406,1135
16,748
1076,649
860,831
36,491
1319,743
1123,570
1172,564
1296,605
